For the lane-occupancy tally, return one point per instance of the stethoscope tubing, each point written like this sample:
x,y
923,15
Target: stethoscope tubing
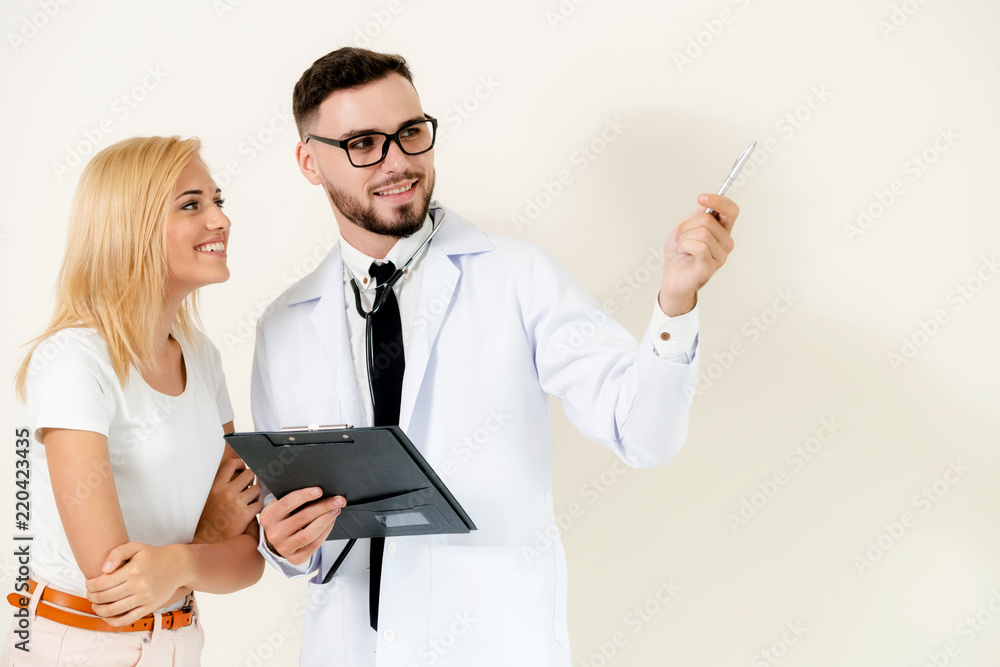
x,y
383,295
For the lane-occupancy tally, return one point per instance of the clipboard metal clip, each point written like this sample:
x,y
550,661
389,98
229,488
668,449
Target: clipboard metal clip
x,y
315,427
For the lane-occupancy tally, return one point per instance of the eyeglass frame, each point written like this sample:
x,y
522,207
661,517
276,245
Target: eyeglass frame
x,y
388,139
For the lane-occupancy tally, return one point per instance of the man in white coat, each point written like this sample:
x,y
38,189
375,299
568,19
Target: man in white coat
x,y
491,327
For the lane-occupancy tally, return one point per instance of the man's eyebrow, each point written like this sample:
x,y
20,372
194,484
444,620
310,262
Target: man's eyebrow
x,y
371,130
195,192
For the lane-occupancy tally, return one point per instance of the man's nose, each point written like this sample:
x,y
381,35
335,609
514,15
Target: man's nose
x,y
395,159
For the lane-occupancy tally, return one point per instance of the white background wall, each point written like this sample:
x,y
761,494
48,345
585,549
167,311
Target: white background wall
x,y
844,98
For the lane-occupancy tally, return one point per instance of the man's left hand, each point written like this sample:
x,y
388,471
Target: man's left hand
x,y
695,251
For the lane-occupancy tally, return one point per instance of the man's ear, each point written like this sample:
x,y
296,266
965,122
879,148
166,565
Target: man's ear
x,y
307,164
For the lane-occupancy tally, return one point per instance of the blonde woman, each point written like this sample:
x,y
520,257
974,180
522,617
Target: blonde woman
x,y
126,405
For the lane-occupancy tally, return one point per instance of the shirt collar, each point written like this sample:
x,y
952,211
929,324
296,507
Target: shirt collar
x,y
358,263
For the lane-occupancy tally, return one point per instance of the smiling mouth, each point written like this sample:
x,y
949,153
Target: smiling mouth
x,y
396,191
218,246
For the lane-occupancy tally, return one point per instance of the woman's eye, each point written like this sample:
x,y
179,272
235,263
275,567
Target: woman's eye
x,y
220,202
190,206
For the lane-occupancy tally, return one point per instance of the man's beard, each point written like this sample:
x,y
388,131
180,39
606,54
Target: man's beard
x,y
406,220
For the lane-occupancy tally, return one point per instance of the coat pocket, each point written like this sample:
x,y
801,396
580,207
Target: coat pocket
x,y
488,607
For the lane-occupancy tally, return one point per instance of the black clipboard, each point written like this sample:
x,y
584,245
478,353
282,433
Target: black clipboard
x,y
390,489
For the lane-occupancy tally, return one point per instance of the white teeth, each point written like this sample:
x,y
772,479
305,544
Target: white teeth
x,y
396,191
218,246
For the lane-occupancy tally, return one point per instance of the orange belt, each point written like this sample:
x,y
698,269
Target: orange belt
x,y
82,612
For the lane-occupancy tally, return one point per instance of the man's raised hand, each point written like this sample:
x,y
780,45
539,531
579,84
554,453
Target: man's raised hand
x,y
695,251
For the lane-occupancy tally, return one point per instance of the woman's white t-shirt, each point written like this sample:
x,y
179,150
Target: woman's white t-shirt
x,y
164,450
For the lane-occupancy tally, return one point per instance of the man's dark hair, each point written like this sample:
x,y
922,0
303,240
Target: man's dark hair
x,y
339,70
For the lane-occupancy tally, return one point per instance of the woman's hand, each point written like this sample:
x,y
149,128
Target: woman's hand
x,y
232,503
138,579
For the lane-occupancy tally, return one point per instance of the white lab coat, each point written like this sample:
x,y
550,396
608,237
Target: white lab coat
x,y
499,324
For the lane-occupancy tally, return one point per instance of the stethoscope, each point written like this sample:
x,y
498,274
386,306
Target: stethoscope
x,y
379,302
384,295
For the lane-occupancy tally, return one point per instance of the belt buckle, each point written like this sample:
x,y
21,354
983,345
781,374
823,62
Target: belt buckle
x,y
187,609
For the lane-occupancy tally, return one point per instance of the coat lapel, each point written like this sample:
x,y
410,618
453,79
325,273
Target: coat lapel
x,y
329,320
437,291
439,283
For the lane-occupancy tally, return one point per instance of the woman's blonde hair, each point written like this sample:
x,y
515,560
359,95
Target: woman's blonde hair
x,y
114,274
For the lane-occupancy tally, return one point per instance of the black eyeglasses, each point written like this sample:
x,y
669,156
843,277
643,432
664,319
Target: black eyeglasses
x,y
364,150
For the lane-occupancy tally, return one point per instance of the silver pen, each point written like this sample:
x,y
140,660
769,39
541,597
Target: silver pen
x,y
740,161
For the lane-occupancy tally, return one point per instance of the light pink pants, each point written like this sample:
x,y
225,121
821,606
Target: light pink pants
x,y
53,644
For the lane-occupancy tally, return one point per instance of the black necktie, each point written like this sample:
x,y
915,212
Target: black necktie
x,y
387,386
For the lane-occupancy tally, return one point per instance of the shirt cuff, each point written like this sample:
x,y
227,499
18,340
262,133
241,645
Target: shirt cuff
x,y
674,338
268,552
